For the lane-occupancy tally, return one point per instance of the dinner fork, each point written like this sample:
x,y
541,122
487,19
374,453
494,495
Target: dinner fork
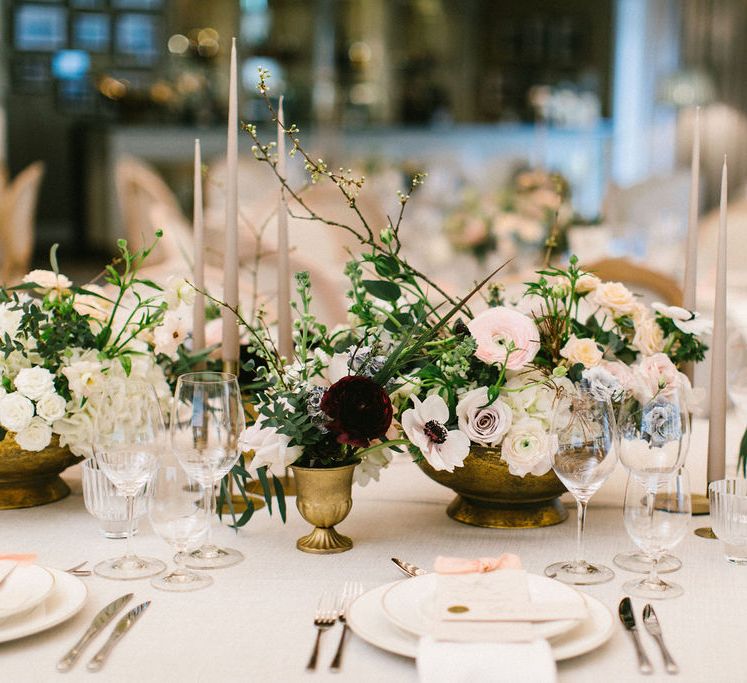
x,y
350,592
325,617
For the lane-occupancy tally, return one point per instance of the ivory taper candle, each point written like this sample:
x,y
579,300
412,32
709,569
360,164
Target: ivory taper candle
x,y
198,257
691,255
285,334
717,422
230,344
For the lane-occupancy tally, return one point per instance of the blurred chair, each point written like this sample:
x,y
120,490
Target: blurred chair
x,y
18,203
139,190
653,286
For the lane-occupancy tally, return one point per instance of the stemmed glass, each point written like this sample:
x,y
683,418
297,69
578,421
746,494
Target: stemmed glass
x,y
584,456
178,515
657,514
207,418
653,439
129,437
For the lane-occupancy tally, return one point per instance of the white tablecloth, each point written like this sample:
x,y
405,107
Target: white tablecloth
x,y
255,622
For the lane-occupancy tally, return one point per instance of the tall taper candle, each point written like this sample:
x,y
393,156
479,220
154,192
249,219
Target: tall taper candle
x,y
717,423
285,335
691,257
198,272
230,344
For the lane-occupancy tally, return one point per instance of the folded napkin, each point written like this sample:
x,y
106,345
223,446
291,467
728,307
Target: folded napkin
x,y
9,562
483,625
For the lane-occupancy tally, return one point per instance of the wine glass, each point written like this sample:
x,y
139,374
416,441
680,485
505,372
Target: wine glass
x,y
178,515
207,418
583,457
657,514
653,439
129,437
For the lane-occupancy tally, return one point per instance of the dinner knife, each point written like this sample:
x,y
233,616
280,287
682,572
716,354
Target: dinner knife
x,y
627,617
123,625
407,568
98,623
651,622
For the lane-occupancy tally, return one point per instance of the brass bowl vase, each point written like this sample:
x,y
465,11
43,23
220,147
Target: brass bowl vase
x,y
324,498
489,496
32,478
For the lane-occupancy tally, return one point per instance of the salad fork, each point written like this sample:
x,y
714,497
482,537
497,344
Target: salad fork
x,y
351,591
325,617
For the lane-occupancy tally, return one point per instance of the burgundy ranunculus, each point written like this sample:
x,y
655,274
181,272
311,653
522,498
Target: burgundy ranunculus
x,y
359,410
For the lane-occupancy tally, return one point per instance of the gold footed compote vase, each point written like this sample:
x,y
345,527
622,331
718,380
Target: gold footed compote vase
x,y
488,495
324,498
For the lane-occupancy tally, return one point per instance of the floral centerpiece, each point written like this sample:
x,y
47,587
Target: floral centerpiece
x,y
57,344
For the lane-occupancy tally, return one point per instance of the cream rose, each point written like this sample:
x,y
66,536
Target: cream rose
x,y
648,337
34,382
584,351
51,407
36,436
616,298
504,335
10,319
96,305
483,424
587,283
527,448
16,412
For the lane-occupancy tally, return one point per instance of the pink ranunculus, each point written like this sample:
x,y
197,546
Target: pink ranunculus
x,y
655,375
496,328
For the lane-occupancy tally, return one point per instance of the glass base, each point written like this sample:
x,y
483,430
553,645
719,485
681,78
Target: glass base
x,y
639,562
129,568
182,581
579,573
735,554
209,557
660,590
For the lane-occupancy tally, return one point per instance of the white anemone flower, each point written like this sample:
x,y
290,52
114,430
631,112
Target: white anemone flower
x,y
688,322
425,427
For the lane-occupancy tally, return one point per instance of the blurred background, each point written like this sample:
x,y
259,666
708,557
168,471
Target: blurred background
x,y
601,92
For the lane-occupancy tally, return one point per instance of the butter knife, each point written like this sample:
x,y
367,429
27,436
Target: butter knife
x,y
627,617
97,625
409,569
123,625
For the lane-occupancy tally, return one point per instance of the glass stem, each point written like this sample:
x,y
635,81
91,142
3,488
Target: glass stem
x,y
209,506
581,507
130,524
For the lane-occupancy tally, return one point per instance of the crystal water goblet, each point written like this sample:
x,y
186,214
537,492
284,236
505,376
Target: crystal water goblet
x,y
207,418
728,501
129,437
583,457
178,515
657,515
653,439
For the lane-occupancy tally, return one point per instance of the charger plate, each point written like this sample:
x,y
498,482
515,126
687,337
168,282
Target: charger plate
x,y
369,621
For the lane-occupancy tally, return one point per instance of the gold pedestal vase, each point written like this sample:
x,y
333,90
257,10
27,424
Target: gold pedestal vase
x,y
488,495
324,498
29,478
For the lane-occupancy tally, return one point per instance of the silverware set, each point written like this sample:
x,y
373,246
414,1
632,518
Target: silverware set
x,y
100,621
331,609
652,625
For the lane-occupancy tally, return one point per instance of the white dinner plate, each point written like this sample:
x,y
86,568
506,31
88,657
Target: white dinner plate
x,y
23,589
411,605
66,599
368,621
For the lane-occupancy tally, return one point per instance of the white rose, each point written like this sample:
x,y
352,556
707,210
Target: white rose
x,y
48,281
178,291
51,407
34,382
270,448
587,283
686,321
83,377
527,448
16,412
584,351
648,337
483,424
36,436
616,298
9,320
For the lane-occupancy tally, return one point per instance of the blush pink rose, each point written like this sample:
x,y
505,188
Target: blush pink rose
x,y
619,371
654,375
496,328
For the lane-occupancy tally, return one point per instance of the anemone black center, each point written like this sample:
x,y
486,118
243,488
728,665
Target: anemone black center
x,y
435,431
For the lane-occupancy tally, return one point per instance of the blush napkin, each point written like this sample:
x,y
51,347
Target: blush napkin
x,y
443,659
